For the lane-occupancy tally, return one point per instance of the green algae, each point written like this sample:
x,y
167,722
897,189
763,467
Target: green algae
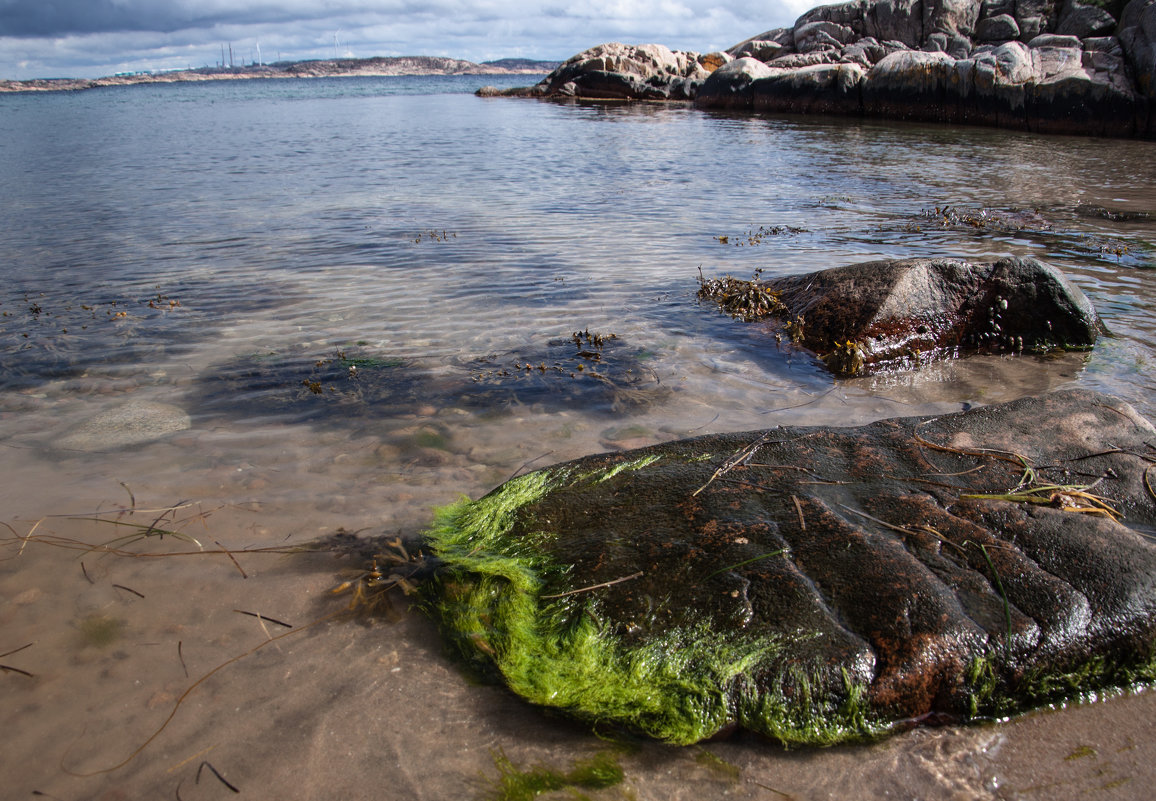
x,y
718,766
595,773
99,631
994,694
681,686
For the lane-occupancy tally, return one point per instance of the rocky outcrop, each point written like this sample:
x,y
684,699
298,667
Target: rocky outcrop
x,y
818,584
885,314
1058,66
617,71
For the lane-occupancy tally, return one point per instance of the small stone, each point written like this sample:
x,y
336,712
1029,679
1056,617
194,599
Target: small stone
x,y
29,596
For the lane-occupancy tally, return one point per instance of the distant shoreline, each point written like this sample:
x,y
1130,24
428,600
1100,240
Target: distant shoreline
x,y
323,68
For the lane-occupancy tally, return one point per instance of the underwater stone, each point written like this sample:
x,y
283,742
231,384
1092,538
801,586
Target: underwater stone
x,y
866,316
133,423
818,584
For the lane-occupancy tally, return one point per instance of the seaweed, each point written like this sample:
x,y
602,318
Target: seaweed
x,y
513,784
749,300
558,650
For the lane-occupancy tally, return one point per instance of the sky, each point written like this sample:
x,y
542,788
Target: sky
x,y
93,38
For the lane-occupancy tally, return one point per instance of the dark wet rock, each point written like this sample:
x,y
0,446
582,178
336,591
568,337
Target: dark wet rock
x,y
865,317
979,73
819,584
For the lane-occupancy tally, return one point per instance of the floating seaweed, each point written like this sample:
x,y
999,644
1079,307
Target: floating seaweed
x,y
755,236
47,336
748,300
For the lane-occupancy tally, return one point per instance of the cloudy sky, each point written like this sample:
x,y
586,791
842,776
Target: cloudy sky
x,y
90,38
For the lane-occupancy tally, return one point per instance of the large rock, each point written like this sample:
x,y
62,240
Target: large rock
x,y
730,85
620,71
818,89
818,584
1083,21
864,317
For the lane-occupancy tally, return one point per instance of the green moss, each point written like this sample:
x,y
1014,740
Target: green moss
x,y
993,693
370,362
99,631
718,766
1081,752
596,773
804,716
680,686
431,438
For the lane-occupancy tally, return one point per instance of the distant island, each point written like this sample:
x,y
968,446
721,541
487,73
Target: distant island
x,y
324,68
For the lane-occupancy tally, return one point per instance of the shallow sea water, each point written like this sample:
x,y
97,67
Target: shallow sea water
x,y
259,312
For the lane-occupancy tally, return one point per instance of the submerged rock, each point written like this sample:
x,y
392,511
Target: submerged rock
x,y
866,316
133,423
818,584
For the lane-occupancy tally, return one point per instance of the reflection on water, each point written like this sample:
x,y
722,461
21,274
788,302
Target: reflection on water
x,y
296,307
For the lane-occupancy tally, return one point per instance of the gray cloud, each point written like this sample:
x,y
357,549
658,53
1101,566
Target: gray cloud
x,y
86,38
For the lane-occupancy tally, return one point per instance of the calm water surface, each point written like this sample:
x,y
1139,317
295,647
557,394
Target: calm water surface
x,y
261,311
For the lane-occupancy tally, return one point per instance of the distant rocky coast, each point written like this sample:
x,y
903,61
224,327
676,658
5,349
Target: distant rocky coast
x,y
326,68
1050,66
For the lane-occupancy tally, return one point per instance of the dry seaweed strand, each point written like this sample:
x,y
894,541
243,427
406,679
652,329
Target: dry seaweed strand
x,y
189,691
369,598
744,455
799,509
215,772
9,668
232,559
1068,497
259,616
610,583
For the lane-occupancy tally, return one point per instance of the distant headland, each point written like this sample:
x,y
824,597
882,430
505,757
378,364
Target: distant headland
x,y
325,68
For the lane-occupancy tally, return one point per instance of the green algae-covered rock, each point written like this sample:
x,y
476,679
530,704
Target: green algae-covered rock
x,y
818,584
